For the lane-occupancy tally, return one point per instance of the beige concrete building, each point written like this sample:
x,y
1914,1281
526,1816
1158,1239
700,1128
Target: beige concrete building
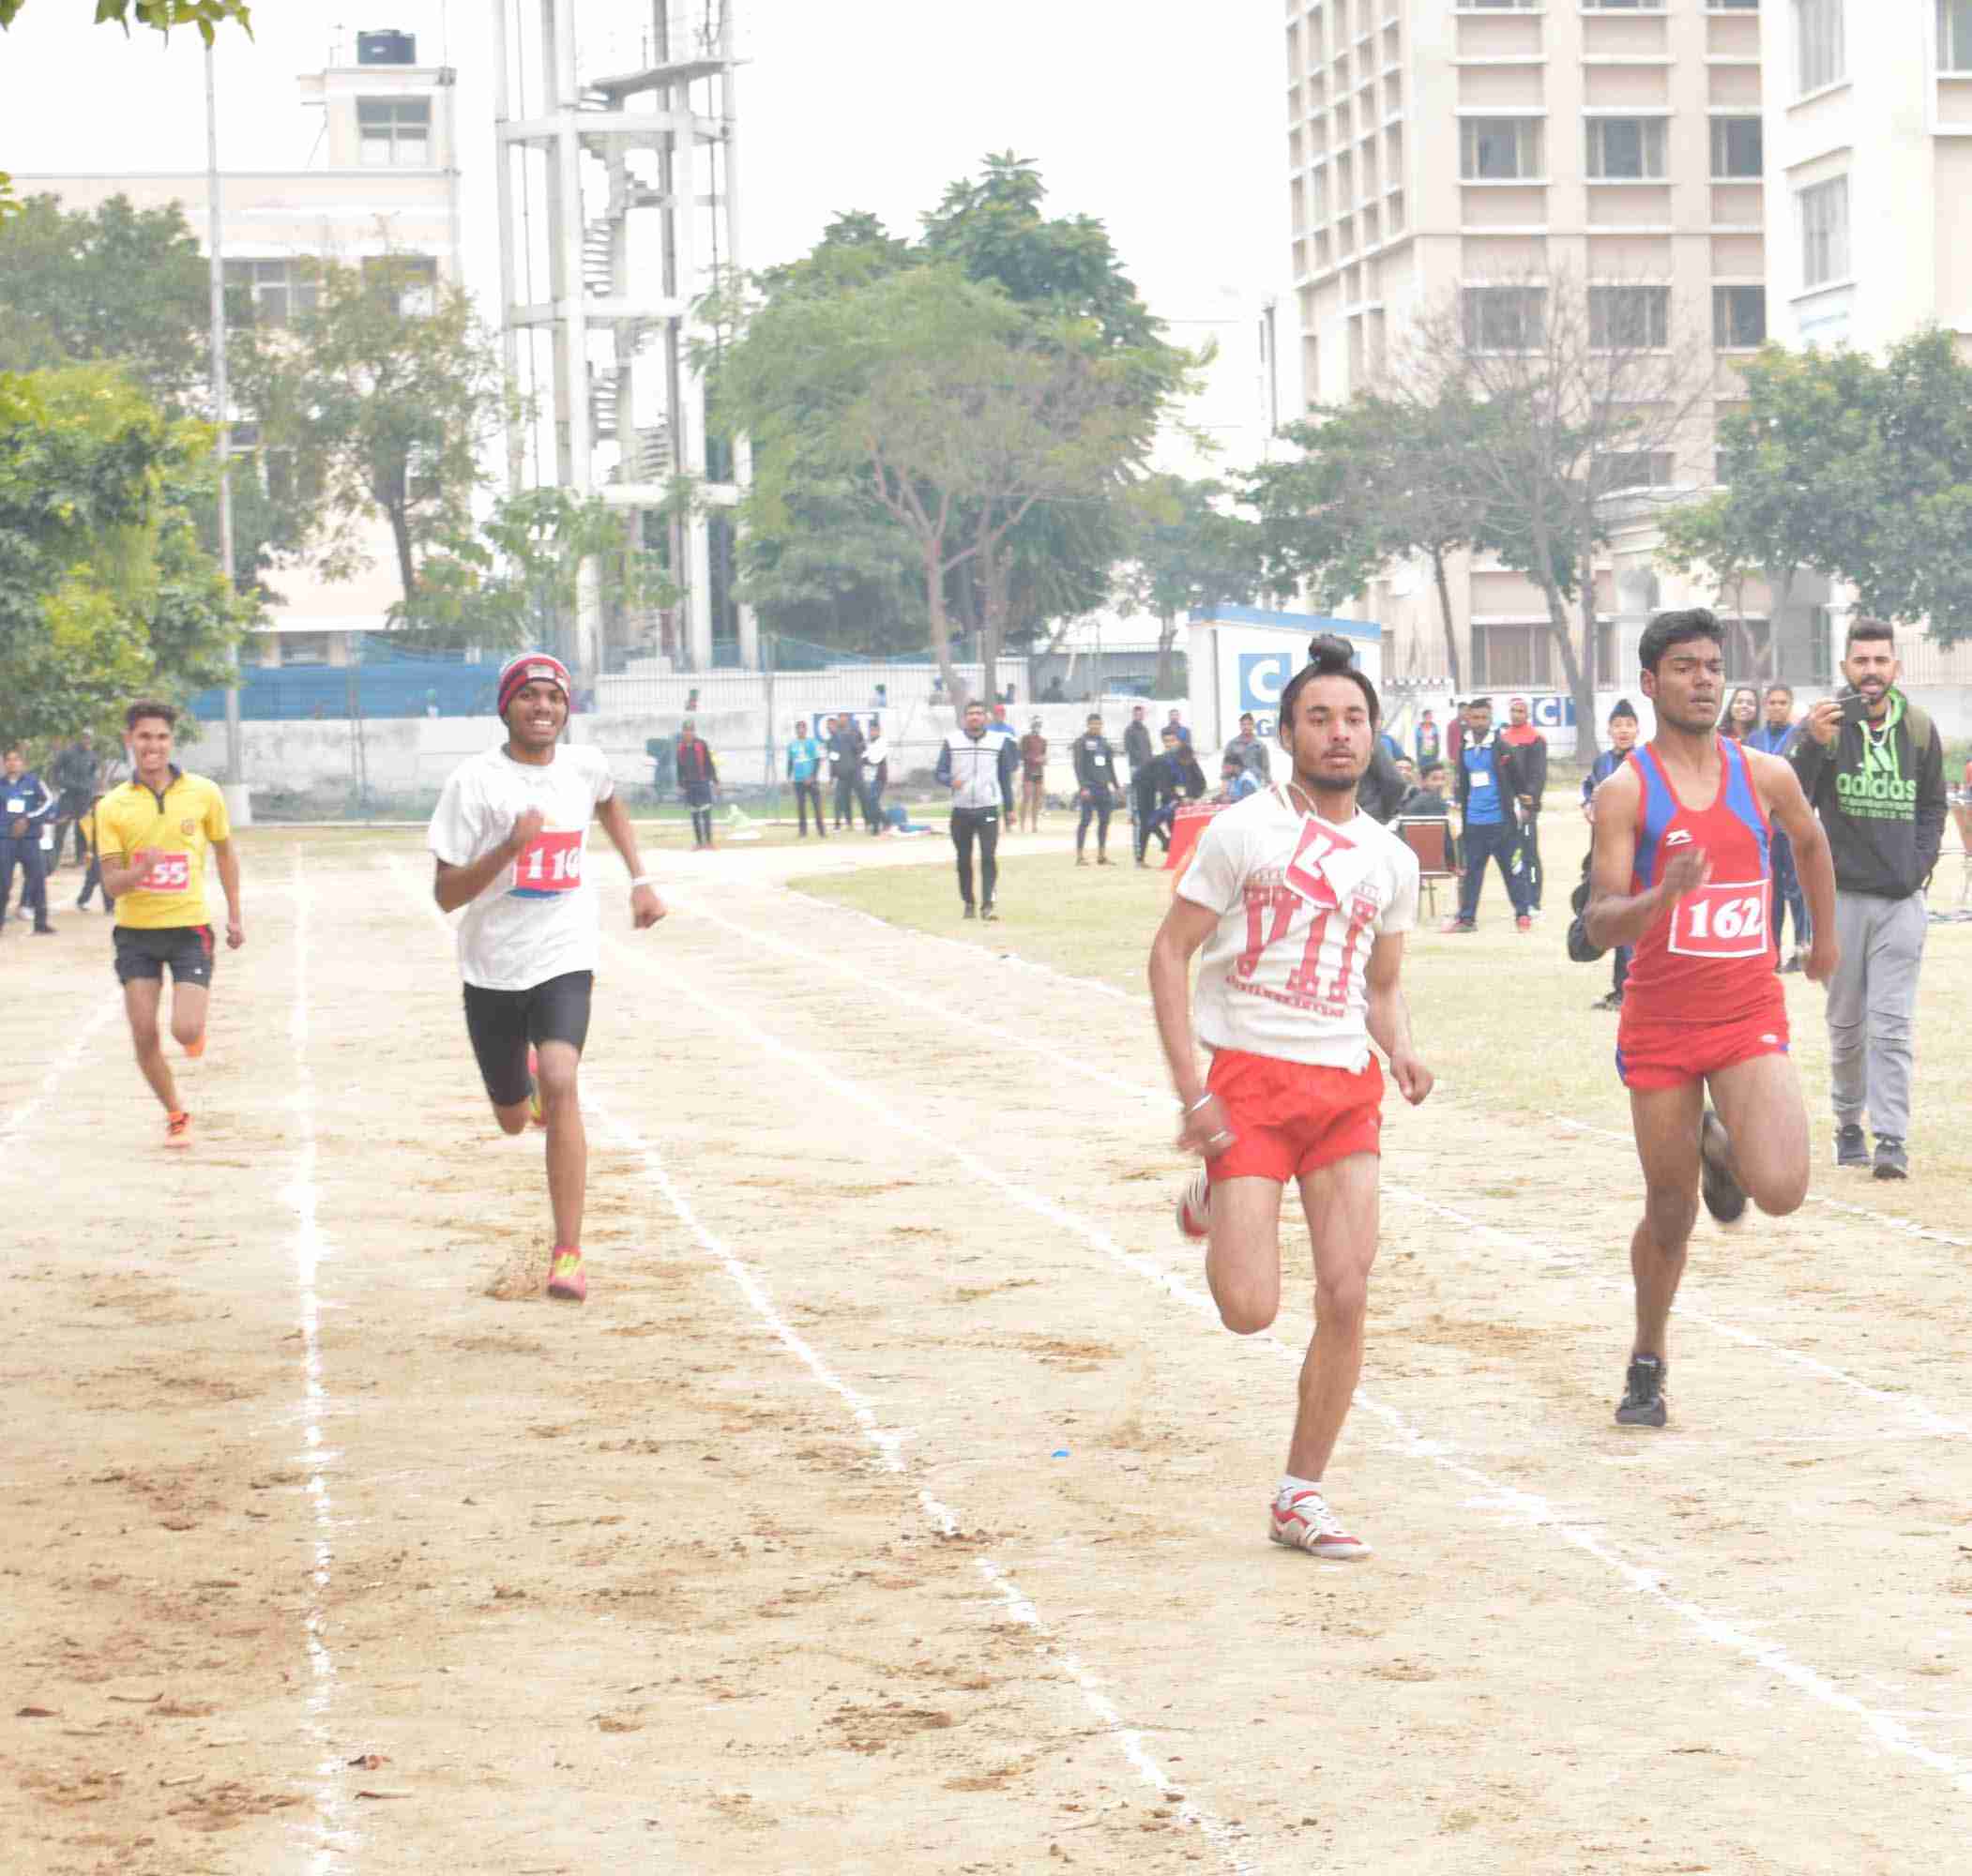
x,y
387,183
1442,153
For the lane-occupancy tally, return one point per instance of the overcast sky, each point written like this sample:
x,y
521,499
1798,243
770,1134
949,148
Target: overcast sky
x,y
1163,118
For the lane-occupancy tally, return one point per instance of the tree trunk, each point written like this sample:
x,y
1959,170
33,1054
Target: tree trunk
x,y
941,629
1587,749
1452,636
993,576
407,568
1166,665
1589,633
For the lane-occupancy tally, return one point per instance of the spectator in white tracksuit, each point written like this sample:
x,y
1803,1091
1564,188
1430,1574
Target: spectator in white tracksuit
x,y
977,767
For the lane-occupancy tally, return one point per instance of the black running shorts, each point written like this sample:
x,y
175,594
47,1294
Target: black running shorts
x,y
143,954
502,1024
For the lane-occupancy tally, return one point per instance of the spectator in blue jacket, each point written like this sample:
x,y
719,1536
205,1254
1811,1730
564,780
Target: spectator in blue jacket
x,y
804,768
1776,736
27,804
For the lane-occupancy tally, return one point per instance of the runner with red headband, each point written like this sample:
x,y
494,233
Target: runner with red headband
x,y
1683,871
510,839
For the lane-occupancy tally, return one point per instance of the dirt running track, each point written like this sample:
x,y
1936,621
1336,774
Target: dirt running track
x,y
327,1548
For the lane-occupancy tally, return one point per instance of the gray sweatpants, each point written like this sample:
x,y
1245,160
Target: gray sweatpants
x,y
1871,1001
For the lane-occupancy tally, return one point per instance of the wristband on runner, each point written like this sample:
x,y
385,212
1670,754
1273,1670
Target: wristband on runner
x,y
642,879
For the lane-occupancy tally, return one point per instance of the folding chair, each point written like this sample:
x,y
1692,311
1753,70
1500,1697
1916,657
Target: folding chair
x,y
1430,839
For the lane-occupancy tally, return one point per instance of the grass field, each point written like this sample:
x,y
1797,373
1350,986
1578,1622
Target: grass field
x,y
1505,1018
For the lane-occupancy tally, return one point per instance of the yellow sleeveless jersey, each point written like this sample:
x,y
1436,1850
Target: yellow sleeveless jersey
x,y
180,825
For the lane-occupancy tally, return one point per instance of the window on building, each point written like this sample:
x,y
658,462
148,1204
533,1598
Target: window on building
x,y
1732,6
413,277
1623,148
1825,233
1955,35
1504,319
394,133
1635,469
1629,319
1820,56
1505,656
269,292
1739,318
1623,5
304,647
1498,149
1503,6
1736,147
1821,646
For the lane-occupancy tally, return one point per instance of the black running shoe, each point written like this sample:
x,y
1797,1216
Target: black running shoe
x,y
1725,1197
1643,1401
1892,1161
1852,1148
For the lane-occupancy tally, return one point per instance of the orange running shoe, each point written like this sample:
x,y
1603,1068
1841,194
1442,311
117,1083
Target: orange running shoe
x,y
565,1281
177,1129
194,1049
534,1105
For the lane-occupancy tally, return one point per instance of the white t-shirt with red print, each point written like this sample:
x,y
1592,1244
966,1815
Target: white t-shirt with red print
x,y
538,918
1300,903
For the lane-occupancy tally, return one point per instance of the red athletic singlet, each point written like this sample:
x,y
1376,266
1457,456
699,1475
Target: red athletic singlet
x,y
1709,960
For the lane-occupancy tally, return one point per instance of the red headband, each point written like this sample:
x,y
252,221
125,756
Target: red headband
x,y
531,667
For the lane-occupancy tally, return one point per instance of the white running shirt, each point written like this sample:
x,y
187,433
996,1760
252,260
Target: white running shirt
x,y
538,918
1286,972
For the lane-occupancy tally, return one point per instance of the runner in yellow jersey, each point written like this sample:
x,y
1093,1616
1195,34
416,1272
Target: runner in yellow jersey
x,y
152,835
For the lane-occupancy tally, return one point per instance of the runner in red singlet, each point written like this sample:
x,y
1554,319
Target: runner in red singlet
x,y
1682,873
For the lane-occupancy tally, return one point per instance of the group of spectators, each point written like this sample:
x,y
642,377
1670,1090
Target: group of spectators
x,y
43,809
853,760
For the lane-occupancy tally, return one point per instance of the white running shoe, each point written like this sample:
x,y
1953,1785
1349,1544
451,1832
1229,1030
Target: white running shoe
x,y
1194,1206
1303,1521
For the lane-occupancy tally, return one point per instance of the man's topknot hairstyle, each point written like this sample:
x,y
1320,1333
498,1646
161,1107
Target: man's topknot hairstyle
x,y
1669,629
1327,656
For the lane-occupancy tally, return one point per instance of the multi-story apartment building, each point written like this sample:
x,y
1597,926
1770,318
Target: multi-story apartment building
x,y
1446,154
388,184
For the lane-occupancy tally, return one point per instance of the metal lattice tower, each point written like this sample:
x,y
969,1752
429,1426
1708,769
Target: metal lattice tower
x,y
618,199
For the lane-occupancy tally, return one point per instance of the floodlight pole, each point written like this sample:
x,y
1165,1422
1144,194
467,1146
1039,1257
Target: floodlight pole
x,y
223,449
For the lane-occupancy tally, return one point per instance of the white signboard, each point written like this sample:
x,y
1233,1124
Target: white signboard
x,y
1241,660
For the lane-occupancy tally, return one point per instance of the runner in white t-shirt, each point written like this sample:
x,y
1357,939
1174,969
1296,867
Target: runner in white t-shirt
x,y
1300,903
509,837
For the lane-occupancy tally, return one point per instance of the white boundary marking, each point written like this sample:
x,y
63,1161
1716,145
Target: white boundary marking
x,y
1529,1508
1889,1221
17,1122
312,1245
1930,1420
889,1445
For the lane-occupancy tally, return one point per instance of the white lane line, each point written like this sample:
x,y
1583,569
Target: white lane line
x,y
332,1833
889,1444
1528,1509
17,1123
1930,1420
1094,986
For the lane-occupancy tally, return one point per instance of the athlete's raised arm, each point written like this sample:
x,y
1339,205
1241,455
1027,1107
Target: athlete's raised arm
x,y
1389,1018
1617,915
1787,806
645,907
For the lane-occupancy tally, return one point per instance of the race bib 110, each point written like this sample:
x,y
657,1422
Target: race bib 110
x,y
550,863
1721,920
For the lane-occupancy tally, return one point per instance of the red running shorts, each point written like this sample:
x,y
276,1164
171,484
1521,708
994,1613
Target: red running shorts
x,y
1293,1117
1651,1055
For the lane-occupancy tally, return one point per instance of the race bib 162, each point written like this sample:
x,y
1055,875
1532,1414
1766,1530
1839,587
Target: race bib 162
x,y
1721,920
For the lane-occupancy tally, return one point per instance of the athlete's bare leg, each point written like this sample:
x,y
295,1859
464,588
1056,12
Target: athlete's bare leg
x,y
1342,1204
140,998
188,1004
568,1143
1765,1118
1243,1254
1666,1121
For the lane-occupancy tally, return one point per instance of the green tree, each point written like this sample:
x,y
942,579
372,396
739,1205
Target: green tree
x,y
1190,551
116,284
104,590
382,397
1859,469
